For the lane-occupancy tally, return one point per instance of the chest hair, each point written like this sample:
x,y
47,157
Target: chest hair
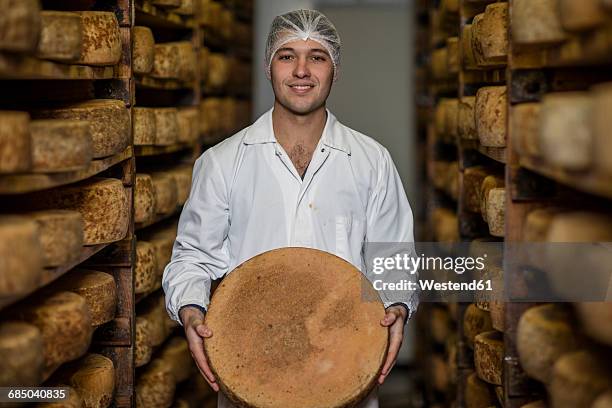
x,y
301,155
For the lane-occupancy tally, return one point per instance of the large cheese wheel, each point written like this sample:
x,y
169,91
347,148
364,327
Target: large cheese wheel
x,y
166,126
497,310
490,114
565,136
176,60
525,125
478,394
218,71
143,50
144,198
21,348
583,15
452,114
203,62
445,225
475,321
73,400
155,386
473,178
466,121
188,123
64,320
578,378
109,123
61,36
21,258
60,145
60,234
595,318
101,38
288,342
496,211
187,60
488,356
93,377
166,192
143,349
102,202
162,241
602,134
143,125
439,59
580,227
452,55
153,311
19,25
182,176
176,354
603,401
536,22
187,7
15,145
145,269
469,59
490,182
544,334
490,35
97,288
537,224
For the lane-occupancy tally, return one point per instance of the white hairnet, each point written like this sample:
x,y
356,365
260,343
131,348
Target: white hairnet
x,y
303,25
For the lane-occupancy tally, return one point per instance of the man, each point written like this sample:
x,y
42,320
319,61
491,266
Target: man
x,y
295,177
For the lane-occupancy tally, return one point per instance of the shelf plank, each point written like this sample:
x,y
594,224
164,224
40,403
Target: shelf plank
x,y
149,15
166,84
496,153
25,183
149,150
15,66
158,218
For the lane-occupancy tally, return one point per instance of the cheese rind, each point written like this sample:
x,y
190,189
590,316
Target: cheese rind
x,y
109,123
155,387
176,354
478,394
15,144
146,269
144,198
61,36
488,356
602,133
536,22
21,348
490,36
466,122
174,60
496,211
525,125
475,321
143,51
188,122
60,145
592,316
61,235
19,25
143,349
101,38
490,113
166,192
603,401
144,125
166,126
581,16
182,176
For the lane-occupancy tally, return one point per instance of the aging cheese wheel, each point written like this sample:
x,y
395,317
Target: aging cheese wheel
x,y
21,348
155,386
154,312
488,356
473,178
101,38
490,35
97,288
469,59
19,25
175,60
15,145
525,125
188,123
61,36
490,182
145,269
478,394
166,192
578,378
203,62
176,354
497,310
490,114
603,401
61,235
496,211
144,198
74,400
466,125
452,114
143,49
162,240
595,318
536,22
144,125
166,126
65,323
102,202
143,349
566,137
109,123
218,71
439,59
580,226
475,321
60,145
297,349
187,60
583,15
544,334
187,7
182,176
93,378
602,133
538,223
452,55
21,258
445,225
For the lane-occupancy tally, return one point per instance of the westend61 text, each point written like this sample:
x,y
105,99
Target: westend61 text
x,y
429,285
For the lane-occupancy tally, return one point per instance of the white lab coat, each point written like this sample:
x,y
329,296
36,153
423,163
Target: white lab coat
x,y
247,198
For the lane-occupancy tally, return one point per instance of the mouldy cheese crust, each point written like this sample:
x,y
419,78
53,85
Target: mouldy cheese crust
x,y
294,297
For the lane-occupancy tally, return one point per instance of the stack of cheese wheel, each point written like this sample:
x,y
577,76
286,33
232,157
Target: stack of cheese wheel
x,y
301,347
489,35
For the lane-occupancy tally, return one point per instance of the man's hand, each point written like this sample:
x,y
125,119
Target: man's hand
x,y
394,319
196,332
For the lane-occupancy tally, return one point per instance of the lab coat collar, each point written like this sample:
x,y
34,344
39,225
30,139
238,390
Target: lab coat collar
x,y
334,135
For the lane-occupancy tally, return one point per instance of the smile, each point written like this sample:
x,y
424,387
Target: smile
x,y
301,88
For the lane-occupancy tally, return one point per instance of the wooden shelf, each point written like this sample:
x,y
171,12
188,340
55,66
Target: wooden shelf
x,y
158,218
25,183
587,181
51,274
483,76
166,84
152,16
16,66
496,153
149,150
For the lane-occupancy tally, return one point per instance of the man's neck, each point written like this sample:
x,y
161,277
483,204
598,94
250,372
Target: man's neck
x,y
291,129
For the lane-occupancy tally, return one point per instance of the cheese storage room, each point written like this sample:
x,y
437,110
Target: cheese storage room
x,y
306,203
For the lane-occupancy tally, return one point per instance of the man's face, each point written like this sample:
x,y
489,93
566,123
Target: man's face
x,y
302,74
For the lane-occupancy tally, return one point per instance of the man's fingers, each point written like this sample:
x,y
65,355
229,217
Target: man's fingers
x,y
213,385
203,330
389,319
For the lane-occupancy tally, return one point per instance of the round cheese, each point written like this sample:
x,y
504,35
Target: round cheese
x,y
177,356
101,38
603,401
475,321
143,50
143,349
153,311
61,36
145,269
525,125
488,183
21,348
155,386
478,394
595,318
466,121
439,59
182,176
490,114
585,15
490,35
602,134
166,192
496,211
536,22
218,71
469,59
19,25
188,123
438,371
166,126
60,234
497,310
15,145
452,55
445,225
473,177
60,145
144,198
144,125
488,356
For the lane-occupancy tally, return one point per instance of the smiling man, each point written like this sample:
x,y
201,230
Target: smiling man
x,y
295,177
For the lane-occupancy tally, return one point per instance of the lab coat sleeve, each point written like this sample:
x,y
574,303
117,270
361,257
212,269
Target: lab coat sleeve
x,y
200,252
390,231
